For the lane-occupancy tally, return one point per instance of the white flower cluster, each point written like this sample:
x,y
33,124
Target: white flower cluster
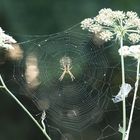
x,y
133,51
109,24
106,35
85,24
6,41
134,38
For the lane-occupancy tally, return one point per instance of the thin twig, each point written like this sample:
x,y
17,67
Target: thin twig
x,y
43,117
22,106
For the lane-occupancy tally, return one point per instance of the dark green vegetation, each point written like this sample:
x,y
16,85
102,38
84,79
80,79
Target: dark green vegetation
x,y
33,17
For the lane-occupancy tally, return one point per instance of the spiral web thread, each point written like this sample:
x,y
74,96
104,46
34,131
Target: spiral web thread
x,y
72,107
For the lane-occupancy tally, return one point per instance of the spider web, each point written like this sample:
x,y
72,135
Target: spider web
x,y
76,110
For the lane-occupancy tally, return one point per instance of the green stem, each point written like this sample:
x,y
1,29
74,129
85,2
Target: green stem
x,y
22,106
134,99
132,31
123,83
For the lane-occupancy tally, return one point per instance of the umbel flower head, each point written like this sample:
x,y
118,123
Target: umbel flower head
x,y
6,41
110,24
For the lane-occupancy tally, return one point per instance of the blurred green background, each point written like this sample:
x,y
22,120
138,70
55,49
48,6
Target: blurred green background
x,y
49,16
33,17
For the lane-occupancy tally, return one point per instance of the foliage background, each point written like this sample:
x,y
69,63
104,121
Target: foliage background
x,y
44,17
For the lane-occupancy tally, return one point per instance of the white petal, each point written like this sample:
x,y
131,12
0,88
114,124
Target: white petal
x,y
124,90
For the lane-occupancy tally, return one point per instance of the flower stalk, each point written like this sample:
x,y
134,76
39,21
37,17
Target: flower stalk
x,y
134,100
123,83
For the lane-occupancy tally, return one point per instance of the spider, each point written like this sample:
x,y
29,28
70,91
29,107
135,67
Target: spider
x,y
65,62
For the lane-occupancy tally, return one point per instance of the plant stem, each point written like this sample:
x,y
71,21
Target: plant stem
x,y
22,106
134,99
123,82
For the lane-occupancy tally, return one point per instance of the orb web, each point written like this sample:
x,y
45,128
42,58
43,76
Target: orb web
x,y
72,105
69,103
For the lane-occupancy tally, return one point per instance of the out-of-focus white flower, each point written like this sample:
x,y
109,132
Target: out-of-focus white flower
x,y
134,38
106,35
8,46
87,23
120,24
124,51
132,51
124,91
6,41
135,51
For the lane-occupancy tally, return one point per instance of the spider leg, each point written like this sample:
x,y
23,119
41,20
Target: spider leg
x,y
70,68
62,68
71,75
62,76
